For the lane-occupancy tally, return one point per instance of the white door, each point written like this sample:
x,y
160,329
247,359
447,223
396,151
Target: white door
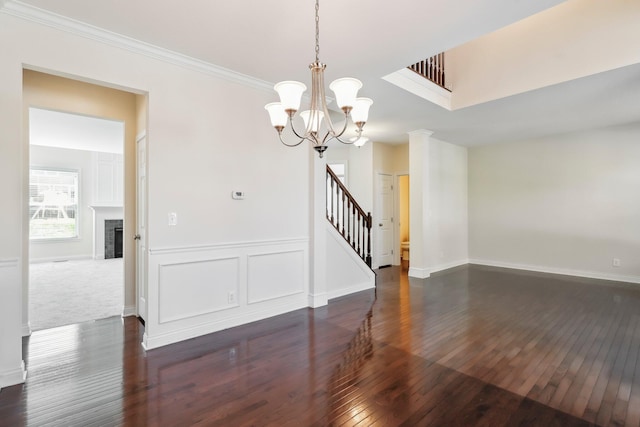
x,y
383,220
141,221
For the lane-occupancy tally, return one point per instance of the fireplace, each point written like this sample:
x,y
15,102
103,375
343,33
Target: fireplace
x,y
101,214
112,238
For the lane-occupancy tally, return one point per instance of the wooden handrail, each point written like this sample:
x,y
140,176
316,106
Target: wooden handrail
x,y
432,69
346,215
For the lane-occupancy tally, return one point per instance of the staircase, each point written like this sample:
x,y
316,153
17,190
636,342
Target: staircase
x,y
348,218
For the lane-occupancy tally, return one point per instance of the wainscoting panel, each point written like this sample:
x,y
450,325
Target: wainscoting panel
x,y
197,290
275,275
191,289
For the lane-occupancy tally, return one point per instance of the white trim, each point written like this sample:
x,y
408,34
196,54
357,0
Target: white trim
x,y
337,293
396,215
253,243
26,329
141,135
318,300
562,271
163,320
8,262
63,23
210,327
419,273
272,297
420,86
13,377
448,265
129,310
61,259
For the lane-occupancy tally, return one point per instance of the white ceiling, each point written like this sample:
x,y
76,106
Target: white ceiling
x,y
63,130
274,41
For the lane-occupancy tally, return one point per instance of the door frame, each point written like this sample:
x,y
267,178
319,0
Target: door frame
x,y
396,214
141,207
376,216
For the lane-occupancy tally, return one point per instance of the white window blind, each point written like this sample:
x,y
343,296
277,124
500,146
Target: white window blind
x,y
53,204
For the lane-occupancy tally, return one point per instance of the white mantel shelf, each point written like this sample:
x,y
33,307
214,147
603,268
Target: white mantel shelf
x,y
100,214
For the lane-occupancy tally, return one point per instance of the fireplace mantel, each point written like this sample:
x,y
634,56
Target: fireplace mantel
x,y
100,214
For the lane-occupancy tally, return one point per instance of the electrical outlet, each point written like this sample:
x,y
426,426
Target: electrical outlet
x,y
172,218
616,262
231,297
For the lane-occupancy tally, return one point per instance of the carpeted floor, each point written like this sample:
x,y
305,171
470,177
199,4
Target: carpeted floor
x,y
62,293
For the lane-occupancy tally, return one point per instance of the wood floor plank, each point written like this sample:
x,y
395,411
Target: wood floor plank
x,y
470,346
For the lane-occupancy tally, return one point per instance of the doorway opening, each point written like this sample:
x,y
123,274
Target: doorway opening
x,y
75,171
80,193
403,221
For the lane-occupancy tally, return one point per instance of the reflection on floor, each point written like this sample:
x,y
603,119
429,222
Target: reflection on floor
x,y
62,293
469,346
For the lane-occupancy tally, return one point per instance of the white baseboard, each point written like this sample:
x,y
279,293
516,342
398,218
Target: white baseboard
x,y
13,377
419,273
149,343
26,329
318,300
129,310
449,265
60,259
351,289
561,271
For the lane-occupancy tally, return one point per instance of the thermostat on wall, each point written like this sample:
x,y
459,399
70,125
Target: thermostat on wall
x,y
237,195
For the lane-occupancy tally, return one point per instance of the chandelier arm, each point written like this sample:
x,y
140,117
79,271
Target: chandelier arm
x,y
290,145
350,142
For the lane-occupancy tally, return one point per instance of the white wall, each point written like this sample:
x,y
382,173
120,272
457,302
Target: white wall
x,y
448,216
82,161
438,207
359,162
565,204
574,39
208,134
346,272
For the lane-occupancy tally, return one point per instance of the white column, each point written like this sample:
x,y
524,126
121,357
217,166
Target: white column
x,y
419,209
317,230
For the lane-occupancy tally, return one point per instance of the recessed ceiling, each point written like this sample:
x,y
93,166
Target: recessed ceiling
x,y
72,131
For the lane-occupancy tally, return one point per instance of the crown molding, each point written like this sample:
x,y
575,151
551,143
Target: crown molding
x,y
69,25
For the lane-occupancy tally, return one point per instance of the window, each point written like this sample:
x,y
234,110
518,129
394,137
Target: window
x,y
53,204
340,171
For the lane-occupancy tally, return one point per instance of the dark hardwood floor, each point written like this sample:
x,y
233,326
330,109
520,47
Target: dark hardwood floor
x,y
470,346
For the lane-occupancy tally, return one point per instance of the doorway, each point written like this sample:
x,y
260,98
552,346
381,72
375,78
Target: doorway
x,y
76,271
112,199
383,219
403,221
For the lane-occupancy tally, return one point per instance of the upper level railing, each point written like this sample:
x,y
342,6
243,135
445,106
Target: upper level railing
x,y
432,69
348,217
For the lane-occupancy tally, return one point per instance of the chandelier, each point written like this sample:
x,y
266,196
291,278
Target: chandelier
x,y
345,90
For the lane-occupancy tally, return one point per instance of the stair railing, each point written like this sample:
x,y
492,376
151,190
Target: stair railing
x,y
348,217
432,69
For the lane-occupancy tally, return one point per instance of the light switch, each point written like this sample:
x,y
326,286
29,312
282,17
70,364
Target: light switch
x,y
173,218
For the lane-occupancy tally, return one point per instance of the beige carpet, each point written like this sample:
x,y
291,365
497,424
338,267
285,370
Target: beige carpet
x,y
62,293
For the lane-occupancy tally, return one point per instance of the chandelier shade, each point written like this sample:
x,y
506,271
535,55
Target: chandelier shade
x,y
346,90
290,93
360,111
319,129
277,114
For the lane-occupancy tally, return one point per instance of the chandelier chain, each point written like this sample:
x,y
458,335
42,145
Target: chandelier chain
x,y
317,31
